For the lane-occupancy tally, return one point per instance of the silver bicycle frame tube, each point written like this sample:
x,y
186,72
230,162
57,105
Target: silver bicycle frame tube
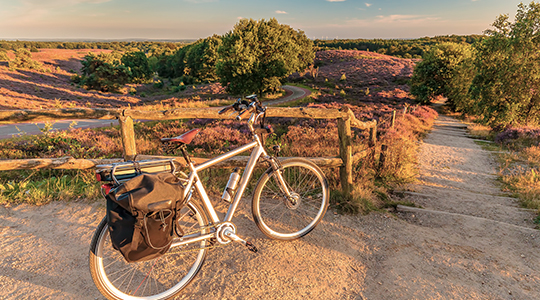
x,y
225,156
194,178
257,152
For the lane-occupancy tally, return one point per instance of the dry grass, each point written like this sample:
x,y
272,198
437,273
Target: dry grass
x,y
480,131
519,158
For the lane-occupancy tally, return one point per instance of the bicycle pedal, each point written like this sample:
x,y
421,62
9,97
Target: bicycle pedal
x,y
251,247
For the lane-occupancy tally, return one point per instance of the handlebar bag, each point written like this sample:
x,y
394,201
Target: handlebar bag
x,y
141,215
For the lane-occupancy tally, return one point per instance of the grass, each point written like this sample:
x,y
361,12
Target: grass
x,y
41,187
518,154
489,146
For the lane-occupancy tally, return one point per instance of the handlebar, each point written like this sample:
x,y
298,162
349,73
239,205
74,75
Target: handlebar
x,y
243,114
244,107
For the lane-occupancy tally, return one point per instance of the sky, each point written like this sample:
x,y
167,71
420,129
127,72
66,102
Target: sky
x,y
193,19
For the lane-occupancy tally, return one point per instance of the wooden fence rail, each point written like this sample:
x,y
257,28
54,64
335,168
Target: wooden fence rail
x,y
344,116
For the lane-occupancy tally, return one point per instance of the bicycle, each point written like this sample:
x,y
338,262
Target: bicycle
x,y
288,202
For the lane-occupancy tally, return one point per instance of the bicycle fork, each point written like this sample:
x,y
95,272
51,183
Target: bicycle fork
x,y
292,198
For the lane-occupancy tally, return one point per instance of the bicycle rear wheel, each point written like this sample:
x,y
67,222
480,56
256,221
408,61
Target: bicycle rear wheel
x,y
160,278
287,218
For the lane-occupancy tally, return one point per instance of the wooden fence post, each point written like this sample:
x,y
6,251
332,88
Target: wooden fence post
x,y
128,137
373,136
345,152
382,159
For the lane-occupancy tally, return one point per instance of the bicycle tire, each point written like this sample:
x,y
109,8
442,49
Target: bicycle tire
x,y
160,278
287,219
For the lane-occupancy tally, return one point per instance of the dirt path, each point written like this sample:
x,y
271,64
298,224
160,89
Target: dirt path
x,y
469,242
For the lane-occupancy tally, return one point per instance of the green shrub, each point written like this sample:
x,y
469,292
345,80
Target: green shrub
x,y
138,65
103,72
3,55
23,60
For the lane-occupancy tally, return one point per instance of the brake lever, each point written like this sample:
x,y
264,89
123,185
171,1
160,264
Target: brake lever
x,y
226,109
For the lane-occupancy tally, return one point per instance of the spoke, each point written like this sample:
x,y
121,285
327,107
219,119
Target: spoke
x,y
304,179
124,269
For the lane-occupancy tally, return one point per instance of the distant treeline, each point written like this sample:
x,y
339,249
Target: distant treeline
x,y
149,47
405,48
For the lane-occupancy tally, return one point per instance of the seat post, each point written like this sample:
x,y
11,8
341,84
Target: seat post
x,y
185,154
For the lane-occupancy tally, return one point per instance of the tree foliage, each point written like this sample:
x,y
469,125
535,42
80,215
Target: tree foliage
x,y
202,58
104,72
138,65
194,63
407,48
446,70
257,55
506,87
151,48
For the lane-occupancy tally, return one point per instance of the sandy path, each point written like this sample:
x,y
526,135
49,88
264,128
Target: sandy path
x,y
470,242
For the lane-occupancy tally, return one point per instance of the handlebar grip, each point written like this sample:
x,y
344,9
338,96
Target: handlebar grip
x,y
226,109
244,114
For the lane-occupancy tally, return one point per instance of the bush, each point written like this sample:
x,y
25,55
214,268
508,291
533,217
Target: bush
x,y
103,72
23,60
3,55
138,65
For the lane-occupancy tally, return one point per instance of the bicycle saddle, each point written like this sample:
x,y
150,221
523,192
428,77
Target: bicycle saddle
x,y
185,138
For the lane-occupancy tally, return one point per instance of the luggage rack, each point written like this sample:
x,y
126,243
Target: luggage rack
x,y
124,171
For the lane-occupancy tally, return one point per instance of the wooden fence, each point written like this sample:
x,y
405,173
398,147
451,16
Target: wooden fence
x,y
344,116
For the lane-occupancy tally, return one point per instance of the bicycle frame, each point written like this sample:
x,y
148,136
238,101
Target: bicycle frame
x,y
257,152
194,182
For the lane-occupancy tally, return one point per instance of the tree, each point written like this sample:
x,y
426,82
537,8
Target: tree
x,y
137,62
257,55
446,69
202,57
103,72
506,87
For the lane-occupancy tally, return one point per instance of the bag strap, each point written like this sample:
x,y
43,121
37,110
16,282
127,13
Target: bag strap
x,y
147,236
136,233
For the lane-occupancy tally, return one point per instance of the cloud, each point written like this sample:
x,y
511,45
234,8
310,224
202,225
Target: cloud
x,y
281,12
390,21
368,4
336,0
405,19
32,12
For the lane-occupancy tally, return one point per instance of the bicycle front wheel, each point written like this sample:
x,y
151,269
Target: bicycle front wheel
x,y
286,218
160,278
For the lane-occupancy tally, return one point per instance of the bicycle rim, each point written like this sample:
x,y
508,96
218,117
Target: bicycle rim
x,y
160,278
280,217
